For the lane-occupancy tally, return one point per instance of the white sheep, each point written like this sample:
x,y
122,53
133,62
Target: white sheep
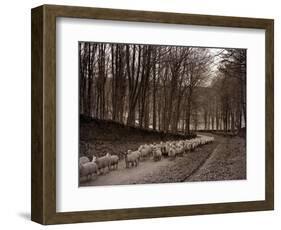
x,y
84,160
193,146
187,147
172,153
88,169
103,162
179,150
132,158
145,151
157,154
164,148
114,159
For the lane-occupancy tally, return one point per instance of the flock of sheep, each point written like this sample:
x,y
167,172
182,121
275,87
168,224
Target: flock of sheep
x,y
170,149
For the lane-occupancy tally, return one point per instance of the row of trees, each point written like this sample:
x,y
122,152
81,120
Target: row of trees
x,y
225,101
167,88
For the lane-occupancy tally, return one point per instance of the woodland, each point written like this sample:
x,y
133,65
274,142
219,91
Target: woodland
x,y
176,89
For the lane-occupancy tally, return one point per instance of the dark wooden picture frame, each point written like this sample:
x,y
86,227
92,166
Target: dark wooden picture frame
x,y
43,197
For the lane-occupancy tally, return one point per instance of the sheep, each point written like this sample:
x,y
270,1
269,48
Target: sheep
x,y
145,151
88,169
164,149
102,162
114,159
187,147
132,158
181,148
171,149
157,154
209,139
193,146
179,151
84,160
172,153
205,140
140,148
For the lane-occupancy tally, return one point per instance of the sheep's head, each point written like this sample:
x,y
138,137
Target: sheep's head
x,y
108,155
129,151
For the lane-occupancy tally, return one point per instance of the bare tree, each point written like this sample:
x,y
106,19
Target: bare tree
x,y
168,88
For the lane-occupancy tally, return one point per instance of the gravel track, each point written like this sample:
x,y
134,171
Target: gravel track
x,y
227,162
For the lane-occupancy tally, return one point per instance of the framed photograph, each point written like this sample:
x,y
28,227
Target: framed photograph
x,y
139,114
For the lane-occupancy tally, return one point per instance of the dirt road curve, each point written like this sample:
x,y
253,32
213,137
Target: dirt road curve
x,y
224,159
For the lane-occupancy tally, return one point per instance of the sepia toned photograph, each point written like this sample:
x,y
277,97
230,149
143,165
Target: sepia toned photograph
x,y
161,114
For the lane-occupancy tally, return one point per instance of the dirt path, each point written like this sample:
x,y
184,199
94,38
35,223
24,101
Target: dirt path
x,y
216,161
227,162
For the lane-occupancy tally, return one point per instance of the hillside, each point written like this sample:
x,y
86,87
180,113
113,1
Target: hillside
x,y
97,137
